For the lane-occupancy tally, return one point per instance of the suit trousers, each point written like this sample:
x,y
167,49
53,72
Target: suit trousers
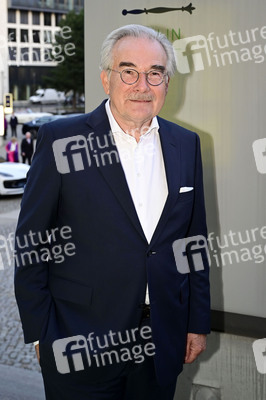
x,y
26,158
137,383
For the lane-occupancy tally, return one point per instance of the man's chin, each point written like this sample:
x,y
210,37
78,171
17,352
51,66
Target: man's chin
x,y
141,108
141,116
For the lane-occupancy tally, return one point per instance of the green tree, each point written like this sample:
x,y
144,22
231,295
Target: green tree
x,y
68,51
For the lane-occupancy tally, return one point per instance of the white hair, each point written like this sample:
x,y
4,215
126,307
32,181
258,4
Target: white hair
x,y
137,31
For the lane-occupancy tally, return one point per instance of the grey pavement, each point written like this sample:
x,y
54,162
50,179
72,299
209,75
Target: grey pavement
x,y
20,376
20,384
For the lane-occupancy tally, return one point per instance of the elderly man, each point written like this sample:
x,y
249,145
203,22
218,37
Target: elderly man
x,y
117,317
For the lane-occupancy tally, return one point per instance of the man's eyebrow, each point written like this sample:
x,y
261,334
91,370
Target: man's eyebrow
x,y
130,64
126,64
158,67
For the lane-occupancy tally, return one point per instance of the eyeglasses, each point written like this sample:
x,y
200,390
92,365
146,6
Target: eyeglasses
x,y
130,76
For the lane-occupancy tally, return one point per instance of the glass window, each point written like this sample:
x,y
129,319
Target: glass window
x,y
78,3
36,36
36,54
23,17
47,37
58,18
47,19
12,16
36,18
12,53
24,35
61,2
12,35
24,54
48,55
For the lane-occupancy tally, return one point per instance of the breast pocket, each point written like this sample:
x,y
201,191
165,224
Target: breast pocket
x,y
186,196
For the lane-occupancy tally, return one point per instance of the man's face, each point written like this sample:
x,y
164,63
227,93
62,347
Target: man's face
x,y
135,104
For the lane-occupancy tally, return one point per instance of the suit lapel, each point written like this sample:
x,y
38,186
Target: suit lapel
x,y
114,175
111,168
171,155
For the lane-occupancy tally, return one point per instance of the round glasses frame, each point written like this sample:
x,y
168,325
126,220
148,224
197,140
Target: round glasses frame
x,y
163,75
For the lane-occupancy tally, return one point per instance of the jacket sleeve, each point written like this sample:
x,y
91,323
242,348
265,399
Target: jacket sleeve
x,y
37,216
199,312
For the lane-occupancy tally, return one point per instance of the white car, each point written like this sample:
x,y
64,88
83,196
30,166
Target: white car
x,y
47,96
12,177
27,115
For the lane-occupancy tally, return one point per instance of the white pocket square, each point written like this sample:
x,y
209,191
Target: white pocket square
x,y
185,189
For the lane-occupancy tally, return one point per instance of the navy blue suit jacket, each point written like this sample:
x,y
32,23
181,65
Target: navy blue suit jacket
x,y
101,286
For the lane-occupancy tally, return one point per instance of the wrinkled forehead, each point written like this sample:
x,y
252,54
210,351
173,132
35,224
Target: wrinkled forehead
x,y
138,52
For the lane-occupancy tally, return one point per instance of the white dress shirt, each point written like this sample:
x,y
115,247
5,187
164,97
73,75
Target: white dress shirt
x,y
143,166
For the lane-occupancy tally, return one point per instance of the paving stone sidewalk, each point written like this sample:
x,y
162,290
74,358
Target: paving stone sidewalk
x,y
20,377
20,384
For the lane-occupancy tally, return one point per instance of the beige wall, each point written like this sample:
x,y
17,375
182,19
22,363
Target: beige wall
x,y
225,104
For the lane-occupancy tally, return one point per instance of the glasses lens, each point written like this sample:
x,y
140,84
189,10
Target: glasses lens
x,y
155,77
129,76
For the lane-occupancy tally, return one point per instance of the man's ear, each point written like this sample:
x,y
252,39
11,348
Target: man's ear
x,y
105,81
166,85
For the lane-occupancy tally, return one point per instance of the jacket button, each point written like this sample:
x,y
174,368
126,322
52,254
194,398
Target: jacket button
x,y
151,253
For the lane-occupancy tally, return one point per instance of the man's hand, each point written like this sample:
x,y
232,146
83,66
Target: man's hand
x,y
37,352
196,344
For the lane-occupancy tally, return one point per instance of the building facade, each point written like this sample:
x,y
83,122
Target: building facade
x,y
31,29
4,84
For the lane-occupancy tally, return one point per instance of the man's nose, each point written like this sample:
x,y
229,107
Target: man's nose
x,y
142,83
